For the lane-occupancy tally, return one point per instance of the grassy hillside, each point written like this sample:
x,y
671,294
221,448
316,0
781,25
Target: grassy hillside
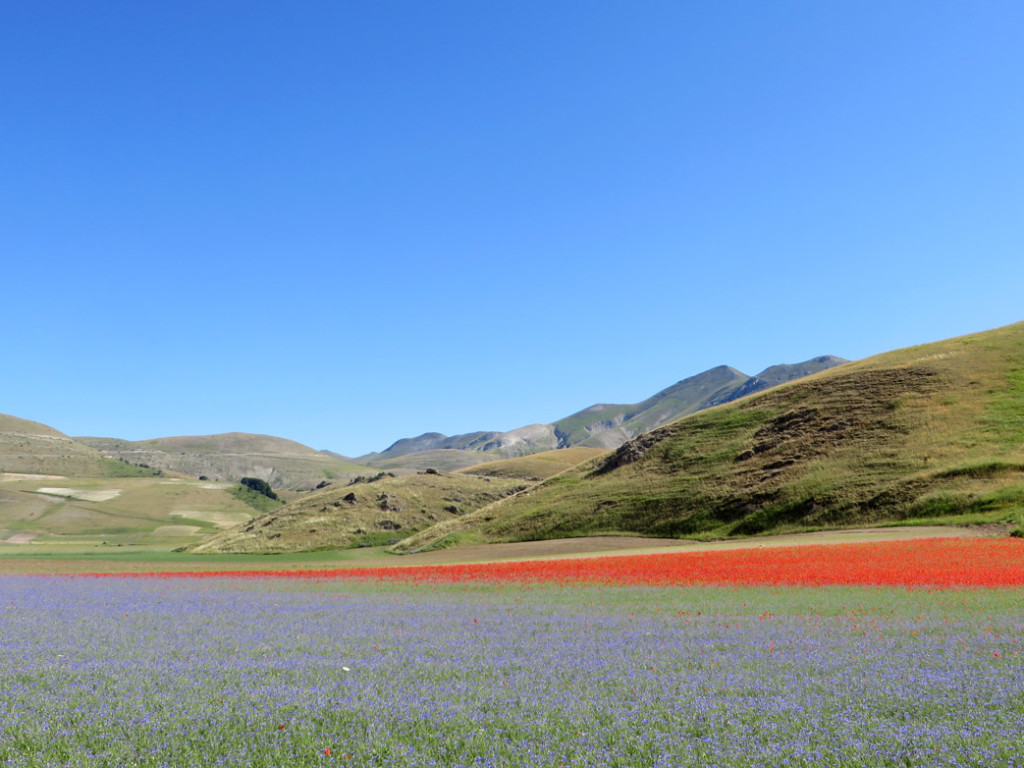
x,y
230,457
599,426
443,459
608,426
537,466
363,514
386,508
933,433
159,512
27,447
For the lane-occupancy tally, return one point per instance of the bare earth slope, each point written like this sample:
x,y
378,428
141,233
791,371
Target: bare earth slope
x,y
933,433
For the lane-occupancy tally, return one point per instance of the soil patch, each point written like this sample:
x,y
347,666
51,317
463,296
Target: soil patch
x,y
72,493
12,476
176,530
20,538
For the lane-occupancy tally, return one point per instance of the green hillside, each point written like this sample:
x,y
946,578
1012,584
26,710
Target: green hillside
x,y
232,456
536,466
43,512
599,426
608,426
28,447
933,433
380,511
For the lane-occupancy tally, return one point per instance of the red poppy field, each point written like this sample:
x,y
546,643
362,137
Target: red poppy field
x,y
932,563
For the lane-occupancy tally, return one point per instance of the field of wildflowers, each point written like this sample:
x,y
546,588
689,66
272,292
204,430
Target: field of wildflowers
x,y
241,671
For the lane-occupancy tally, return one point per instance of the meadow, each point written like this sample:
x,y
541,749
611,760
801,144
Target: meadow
x,y
447,667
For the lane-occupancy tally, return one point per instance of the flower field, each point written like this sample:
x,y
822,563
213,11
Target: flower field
x,y
271,671
920,563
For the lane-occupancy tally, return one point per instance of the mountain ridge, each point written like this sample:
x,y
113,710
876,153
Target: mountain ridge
x,y
602,425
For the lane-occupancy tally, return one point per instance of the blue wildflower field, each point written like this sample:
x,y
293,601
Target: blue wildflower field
x,y
256,673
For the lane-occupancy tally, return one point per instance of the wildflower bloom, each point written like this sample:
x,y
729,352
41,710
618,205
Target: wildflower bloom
x,y
938,563
580,674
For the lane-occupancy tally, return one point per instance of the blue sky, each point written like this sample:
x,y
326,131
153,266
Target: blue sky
x,y
346,223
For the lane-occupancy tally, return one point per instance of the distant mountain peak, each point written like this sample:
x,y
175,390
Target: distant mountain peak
x,y
605,425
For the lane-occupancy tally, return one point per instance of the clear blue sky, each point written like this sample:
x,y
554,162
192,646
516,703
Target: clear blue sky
x,y
350,222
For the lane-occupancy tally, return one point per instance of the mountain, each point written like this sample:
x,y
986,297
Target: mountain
x,y
229,457
599,426
609,426
433,441
933,433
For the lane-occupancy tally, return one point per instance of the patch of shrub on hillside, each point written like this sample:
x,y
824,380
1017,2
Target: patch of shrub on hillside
x,y
259,486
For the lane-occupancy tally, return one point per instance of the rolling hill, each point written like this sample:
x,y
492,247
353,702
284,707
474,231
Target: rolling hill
x,y
85,513
229,457
28,447
383,509
55,490
932,433
599,426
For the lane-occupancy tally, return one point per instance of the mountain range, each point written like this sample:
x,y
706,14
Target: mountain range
x,y
599,426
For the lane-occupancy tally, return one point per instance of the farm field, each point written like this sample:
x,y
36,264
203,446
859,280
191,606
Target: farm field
x,y
95,514
67,558
504,665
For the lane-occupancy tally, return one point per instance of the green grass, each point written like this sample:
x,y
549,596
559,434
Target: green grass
x,y
258,501
365,513
536,466
1005,416
129,511
82,557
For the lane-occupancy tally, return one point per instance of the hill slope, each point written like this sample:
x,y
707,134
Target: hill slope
x,y
599,426
929,433
232,456
384,509
33,448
